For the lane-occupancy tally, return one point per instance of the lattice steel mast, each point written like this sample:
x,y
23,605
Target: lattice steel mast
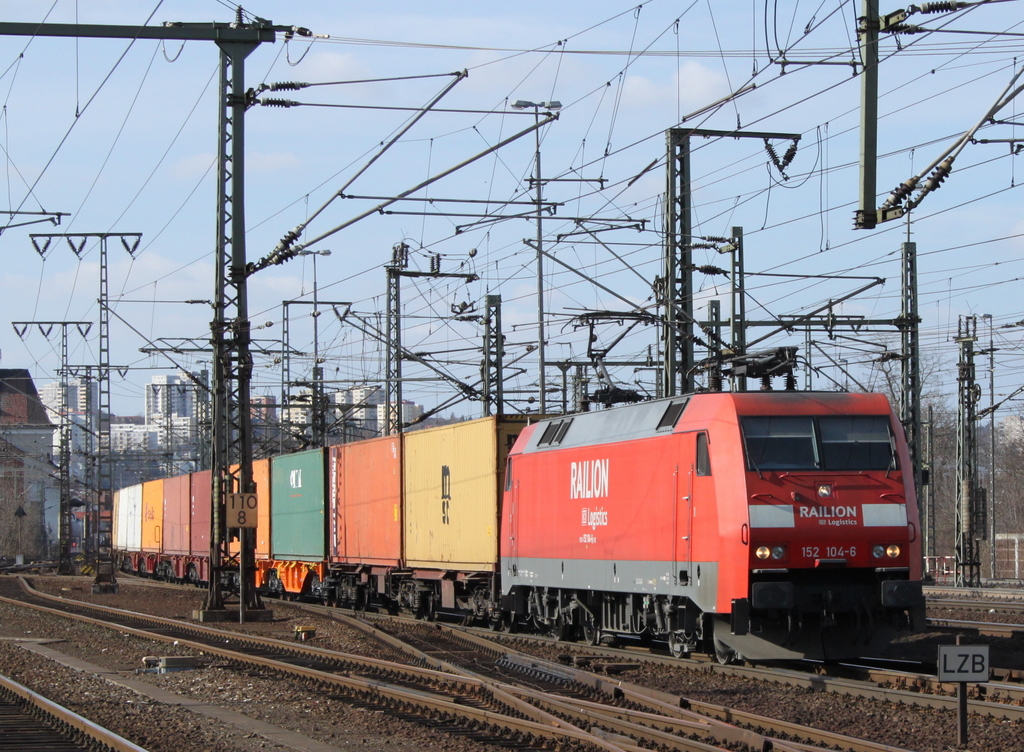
x,y
968,500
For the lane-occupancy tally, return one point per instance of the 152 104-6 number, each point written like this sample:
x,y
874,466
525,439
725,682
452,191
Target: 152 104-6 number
x,y
829,552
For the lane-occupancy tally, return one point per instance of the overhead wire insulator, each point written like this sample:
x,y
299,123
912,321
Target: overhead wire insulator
x,y
940,7
287,86
780,164
787,158
271,102
939,174
905,29
708,269
900,192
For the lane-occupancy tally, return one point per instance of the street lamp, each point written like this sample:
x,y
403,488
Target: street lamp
x,y
521,104
318,424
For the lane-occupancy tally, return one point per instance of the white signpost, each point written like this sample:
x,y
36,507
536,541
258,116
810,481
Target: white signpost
x,y
963,664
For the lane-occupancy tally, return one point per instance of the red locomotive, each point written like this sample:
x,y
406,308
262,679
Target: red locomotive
x,y
757,524
763,525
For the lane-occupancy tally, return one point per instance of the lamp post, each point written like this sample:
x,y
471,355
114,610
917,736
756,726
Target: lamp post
x,y
992,444
317,421
537,107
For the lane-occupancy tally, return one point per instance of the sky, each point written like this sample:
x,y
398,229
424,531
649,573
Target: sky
x,y
120,137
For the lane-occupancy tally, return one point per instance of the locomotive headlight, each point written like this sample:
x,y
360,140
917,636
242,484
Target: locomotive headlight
x,y
824,490
878,552
778,552
763,552
892,551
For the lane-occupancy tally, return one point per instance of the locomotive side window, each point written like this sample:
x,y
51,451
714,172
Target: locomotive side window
x,y
671,415
857,442
850,442
554,432
703,456
781,443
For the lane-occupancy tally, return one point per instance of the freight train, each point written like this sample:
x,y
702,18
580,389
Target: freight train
x,y
756,525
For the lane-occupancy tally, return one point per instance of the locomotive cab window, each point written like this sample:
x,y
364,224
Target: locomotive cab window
x,y
703,455
857,442
781,443
849,442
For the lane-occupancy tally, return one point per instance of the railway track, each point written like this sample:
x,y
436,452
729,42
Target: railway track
x,y
998,699
29,721
468,681
891,681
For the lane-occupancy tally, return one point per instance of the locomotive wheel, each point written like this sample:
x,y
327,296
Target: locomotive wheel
x,y
560,628
725,654
589,629
676,646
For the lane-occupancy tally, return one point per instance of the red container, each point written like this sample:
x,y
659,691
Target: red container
x,y
199,538
177,513
365,487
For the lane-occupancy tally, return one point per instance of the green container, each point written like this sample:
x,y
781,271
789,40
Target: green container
x,y
298,517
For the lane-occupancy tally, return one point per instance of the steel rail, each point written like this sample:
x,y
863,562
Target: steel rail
x,y
65,718
1001,698
976,604
548,727
667,710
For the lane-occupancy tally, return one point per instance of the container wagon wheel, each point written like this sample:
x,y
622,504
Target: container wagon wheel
x,y
315,591
496,621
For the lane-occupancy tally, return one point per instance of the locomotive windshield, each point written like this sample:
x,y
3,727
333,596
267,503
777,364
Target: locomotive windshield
x,y
849,442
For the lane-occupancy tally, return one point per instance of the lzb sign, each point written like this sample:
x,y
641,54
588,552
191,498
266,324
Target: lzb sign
x,y
241,510
963,663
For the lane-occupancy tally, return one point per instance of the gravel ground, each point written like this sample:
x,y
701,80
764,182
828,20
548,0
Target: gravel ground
x,y
291,705
163,728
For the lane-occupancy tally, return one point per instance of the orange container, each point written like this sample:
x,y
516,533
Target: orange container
x,y
177,507
261,474
365,487
152,515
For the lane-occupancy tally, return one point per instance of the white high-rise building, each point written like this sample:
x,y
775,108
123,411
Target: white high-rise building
x,y
363,401
169,396
78,394
410,412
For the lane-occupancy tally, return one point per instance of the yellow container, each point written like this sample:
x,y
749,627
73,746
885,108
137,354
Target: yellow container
x,y
453,484
152,515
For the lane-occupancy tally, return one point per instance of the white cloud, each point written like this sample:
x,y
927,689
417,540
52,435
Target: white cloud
x,y
192,167
693,86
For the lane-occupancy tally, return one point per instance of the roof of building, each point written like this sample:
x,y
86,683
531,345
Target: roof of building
x,y
19,400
